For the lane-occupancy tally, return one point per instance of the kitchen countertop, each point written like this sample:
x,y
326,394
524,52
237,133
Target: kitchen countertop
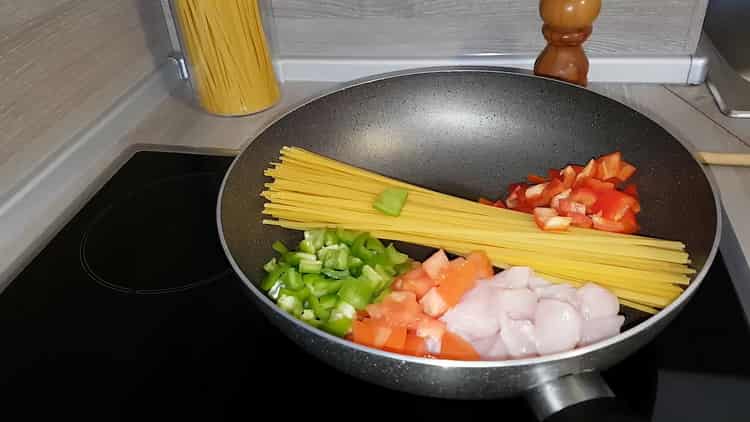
x,y
688,112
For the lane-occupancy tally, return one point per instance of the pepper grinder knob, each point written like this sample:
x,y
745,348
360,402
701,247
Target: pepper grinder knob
x,y
567,25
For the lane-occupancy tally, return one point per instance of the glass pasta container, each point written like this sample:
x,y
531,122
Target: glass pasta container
x,y
226,55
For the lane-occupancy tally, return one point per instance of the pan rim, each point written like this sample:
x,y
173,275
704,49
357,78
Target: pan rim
x,y
482,364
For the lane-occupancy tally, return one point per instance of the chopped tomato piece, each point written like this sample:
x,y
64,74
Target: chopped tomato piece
x,y
577,169
567,207
414,345
399,308
553,188
482,263
605,224
418,286
431,328
613,204
580,220
535,191
631,225
499,204
435,264
458,277
568,176
626,171
585,196
485,201
535,178
631,190
547,219
454,347
517,196
432,303
608,166
589,170
377,334
555,202
553,174
596,184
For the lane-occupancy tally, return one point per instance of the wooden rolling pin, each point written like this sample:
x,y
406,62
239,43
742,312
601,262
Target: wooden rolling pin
x,y
724,159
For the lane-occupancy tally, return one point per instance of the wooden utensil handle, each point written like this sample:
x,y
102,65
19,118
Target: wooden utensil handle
x,y
567,25
724,159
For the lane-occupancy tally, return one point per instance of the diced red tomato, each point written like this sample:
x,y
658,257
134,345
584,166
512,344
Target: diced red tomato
x,y
631,225
568,176
553,188
414,345
432,303
577,169
608,166
547,219
535,191
567,207
585,196
613,204
626,171
554,174
580,220
416,281
624,226
482,263
535,178
378,334
596,184
435,264
458,277
431,328
631,190
485,201
399,309
454,347
516,195
555,202
499,204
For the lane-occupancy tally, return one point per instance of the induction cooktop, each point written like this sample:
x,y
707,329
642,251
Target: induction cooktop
x,y
132,312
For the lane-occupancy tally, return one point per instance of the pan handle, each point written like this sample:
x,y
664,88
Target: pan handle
x,y
578,398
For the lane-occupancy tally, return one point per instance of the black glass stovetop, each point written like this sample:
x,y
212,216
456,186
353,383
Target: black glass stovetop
x,y
133,312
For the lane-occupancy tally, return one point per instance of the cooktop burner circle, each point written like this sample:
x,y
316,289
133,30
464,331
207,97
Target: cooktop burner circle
x,y
160,239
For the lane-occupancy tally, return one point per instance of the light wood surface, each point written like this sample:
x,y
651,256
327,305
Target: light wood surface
x,y
426,28
724,159
63,64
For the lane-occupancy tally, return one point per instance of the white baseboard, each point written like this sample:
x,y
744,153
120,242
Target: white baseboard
x,y
658,70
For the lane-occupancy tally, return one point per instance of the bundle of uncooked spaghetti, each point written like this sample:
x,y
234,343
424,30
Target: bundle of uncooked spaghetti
x,y
227,49
312,191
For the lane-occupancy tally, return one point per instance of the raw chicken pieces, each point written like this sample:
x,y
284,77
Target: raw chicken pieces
x,y
517,314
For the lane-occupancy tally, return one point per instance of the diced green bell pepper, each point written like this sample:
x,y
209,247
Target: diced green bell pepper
x,y
347,236
274,276
280,247
294,258
357,292
290,304
302,294
270,265
330,238
395,256
293,279
316,238
321,312
336,274
390,201
310,267
340,321
328,301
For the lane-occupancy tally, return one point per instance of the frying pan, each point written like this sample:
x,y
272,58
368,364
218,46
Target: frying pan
x,y
470,131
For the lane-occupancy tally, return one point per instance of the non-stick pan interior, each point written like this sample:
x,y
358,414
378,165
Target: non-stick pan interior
x,y
470,133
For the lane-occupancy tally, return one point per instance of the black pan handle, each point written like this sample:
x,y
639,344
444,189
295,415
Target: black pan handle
x,y
578,398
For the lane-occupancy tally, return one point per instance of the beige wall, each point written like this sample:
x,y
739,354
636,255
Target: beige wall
x,y
63,63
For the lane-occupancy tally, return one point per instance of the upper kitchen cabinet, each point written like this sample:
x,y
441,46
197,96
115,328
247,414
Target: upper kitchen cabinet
x,y
63,64
446,28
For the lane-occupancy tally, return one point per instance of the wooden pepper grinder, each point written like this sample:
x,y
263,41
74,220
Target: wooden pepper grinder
x,y
567,25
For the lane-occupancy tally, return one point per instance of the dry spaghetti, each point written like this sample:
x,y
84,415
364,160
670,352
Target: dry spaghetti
x,y
312,191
